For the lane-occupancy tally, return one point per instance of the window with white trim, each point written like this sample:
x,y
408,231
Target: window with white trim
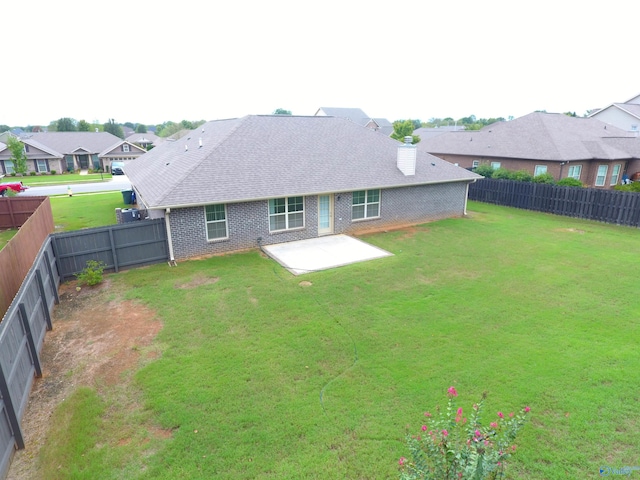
x,y
365,204
286,213
41,165
601,175
615,174
495,165
125,147
215,217
634,127
475,164
539,170
8,166
574,171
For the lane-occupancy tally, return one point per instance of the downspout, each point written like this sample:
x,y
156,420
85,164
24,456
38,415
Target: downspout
x,y
167,223
466,197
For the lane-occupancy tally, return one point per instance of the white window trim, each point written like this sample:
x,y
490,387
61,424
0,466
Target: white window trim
x,y
493,165
286,214
125,147
6,166
604,176
38,165
207,222
475,164
366,204
535,169
574,168
615,174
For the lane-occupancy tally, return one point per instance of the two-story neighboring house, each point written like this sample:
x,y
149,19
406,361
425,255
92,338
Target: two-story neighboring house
x,y
625,115
70,151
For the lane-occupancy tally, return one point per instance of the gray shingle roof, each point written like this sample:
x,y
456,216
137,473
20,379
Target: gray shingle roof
x,y
537,136
69,142
258,157
354,114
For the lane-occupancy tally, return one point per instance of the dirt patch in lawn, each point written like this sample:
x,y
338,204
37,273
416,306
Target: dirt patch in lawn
x,y
98,340
198,280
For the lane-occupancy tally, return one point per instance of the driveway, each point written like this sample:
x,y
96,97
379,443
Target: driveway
x,y
117,183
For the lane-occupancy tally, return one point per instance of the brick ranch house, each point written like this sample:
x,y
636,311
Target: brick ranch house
x,y
259,180
69,151
586,149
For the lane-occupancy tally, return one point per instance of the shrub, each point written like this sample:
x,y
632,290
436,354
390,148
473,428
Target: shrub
x,y
452,447
53,172
570,182
544,178
502,173
522,176
630,187
91,274
484,170
33,174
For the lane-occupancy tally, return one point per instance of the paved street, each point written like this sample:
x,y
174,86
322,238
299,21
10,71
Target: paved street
x,y
117,183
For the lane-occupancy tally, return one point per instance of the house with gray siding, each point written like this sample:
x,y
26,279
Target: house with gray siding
x,y
258,180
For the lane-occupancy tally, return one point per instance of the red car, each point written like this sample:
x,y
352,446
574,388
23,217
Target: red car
x,y
15,186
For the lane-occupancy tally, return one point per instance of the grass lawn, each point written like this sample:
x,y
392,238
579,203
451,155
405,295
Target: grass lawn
x,y
262,377
85,210
5,236
64,179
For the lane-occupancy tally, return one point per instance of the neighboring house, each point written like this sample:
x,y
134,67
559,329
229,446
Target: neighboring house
x,y
70,151
428,132
358,116
259,180
625,116
586,149
144,140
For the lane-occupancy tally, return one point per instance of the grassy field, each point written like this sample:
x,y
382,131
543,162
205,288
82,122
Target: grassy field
x,y
264,377
85,210
64,179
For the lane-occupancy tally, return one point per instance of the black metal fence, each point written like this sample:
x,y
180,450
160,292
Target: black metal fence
x,y
609,206
22,333
128,245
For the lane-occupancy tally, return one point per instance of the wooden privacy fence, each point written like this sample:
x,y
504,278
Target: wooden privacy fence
x,y
22,333
16,258
15,211
128,245
609,206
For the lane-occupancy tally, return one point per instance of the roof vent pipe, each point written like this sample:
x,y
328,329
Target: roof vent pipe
x,y
200,142
407,153
186,147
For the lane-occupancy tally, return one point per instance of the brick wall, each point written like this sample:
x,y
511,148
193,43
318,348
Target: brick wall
x,y
250,220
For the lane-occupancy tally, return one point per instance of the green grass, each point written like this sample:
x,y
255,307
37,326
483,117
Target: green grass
x,y
261,377
64,179
5,236
85,210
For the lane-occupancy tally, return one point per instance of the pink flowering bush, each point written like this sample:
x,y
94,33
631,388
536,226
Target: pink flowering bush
x,y
452,446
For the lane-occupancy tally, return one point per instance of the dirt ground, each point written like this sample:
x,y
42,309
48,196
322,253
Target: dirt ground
x,y
97,339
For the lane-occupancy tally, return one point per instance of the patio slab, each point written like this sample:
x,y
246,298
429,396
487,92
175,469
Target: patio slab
x,y
322,253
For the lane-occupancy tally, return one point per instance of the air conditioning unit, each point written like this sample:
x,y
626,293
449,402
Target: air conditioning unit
x,y
130,215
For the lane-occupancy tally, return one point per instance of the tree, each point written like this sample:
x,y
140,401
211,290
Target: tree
x,y
4,128
18,157
66,124
404,128
141,128
113,128
281,111
84,126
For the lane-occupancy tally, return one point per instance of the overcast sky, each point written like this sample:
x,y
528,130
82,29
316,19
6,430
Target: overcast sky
x,y
153,61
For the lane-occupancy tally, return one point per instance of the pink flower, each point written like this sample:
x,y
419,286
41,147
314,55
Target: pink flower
x,y
501,415
478,433
511,414
527,409
452,392
460,411
444,433
427,414
493,425
401,461
424,428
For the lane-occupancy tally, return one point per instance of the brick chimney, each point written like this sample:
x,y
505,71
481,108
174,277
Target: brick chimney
x,y
407,157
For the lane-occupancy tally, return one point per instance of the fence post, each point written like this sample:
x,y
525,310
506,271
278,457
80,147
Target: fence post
x,y
43,295
32,345
54,287
113,250
11,411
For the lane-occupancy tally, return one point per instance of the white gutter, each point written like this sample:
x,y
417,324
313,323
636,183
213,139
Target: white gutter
x,y
167,223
